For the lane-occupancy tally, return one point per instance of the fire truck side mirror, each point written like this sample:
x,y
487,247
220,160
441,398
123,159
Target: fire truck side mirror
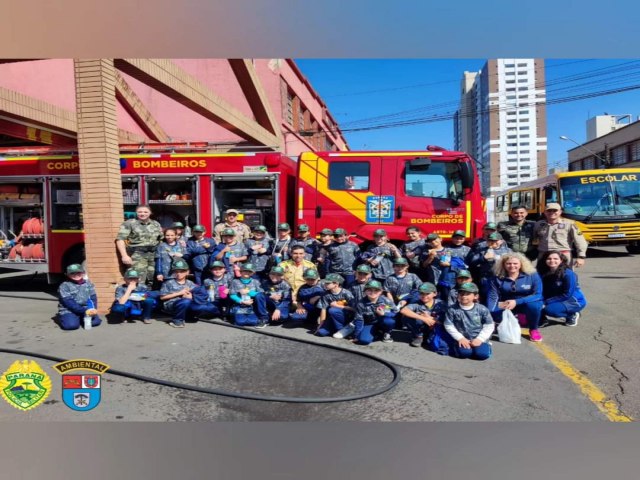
x,y
466,174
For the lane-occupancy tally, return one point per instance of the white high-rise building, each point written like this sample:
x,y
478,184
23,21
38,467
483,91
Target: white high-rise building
x,y
501,122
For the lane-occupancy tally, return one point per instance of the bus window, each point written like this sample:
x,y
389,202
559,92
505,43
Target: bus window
x,y
514,198
527,200
439,180
349,176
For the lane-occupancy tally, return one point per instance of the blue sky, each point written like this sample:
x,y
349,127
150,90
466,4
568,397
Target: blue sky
x,y
399,89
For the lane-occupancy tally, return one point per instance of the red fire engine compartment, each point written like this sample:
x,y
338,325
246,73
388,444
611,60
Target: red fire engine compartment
x,y
40,198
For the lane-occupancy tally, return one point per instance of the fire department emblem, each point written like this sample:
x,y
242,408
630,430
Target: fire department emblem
x,y
380,209
81,391
25,385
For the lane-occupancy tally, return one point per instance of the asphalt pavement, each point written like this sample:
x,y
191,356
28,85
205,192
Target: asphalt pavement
x,y
519,383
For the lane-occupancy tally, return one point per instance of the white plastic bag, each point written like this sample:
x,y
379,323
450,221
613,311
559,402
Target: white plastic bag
x,y
509,328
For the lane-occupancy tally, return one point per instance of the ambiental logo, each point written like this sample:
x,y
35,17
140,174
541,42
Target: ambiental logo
x,y
81,391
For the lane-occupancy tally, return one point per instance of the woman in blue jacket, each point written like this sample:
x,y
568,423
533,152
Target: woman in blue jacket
x,y
516,286
562,295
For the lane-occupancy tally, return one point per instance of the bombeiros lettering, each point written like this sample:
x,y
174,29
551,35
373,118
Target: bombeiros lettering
x,y
169,163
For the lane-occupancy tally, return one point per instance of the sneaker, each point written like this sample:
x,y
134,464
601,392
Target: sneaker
x,y
544,322
176,325
345,332
261,325
386,338
417,341
534,336
147,321
572,320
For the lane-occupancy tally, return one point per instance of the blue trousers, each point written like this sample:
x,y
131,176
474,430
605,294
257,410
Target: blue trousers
x,y
384,324
209,309
181,310
336,319
129,310
245,319
310,313
71,321
416,327
531,310
265,306
481,352
566,308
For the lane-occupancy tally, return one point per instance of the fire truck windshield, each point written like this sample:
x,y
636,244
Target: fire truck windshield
x,y
437,180
601,197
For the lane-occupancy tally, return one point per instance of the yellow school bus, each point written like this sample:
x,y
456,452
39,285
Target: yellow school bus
x,y
605,203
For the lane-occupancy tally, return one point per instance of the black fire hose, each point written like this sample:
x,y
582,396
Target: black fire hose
x,y
247,396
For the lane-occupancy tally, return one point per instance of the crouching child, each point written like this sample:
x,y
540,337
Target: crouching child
x,y
374,317
176,294
274,304
336,306
244,291
469,324
132,300
425,315
76,300
307,298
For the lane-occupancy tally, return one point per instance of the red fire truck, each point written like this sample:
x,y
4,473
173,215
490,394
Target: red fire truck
x,y
41,214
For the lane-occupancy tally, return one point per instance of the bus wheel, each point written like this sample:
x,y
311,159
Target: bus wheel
x,y
633,249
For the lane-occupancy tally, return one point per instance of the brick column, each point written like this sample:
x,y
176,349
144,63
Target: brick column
x,y
100,178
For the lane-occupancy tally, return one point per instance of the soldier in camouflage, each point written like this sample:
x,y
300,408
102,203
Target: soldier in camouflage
x,y
137,241
518,232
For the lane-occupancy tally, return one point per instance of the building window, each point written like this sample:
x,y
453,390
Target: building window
x,y
509,65
635,151
524,128
525,167
619,155
349,176
522,65
524,144
288,108
523,88
524,151
511,90
524,136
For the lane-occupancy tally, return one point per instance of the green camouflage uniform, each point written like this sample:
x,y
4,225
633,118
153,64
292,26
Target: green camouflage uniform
x,y
519,237
142,240
243,232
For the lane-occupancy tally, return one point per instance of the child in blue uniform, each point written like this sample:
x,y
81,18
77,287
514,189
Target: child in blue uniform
x,y
176,293
274,304
244,291
336,306
307,297
132,300
217,287
469,324
259,251
77,299
166,253
198,252
374,316
428,311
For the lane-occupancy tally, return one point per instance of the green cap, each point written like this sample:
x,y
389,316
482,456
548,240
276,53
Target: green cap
x,y
334,277
468,287
284,226
303,228
131,273
276,271
177,225
217,263
363,269
427,287
310,273
380,232
459,233
198,228
401,261
247,267
373,284
339,231
228,232
490,226
180,265
494,236
260,228
464,274
433,236
75,268
326,231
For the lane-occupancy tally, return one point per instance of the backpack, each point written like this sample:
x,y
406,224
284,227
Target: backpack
x,y
436,340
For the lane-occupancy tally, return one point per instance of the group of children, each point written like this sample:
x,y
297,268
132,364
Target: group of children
x,y
424,286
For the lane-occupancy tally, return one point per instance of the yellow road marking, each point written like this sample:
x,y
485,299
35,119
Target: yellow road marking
x,y
588,388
